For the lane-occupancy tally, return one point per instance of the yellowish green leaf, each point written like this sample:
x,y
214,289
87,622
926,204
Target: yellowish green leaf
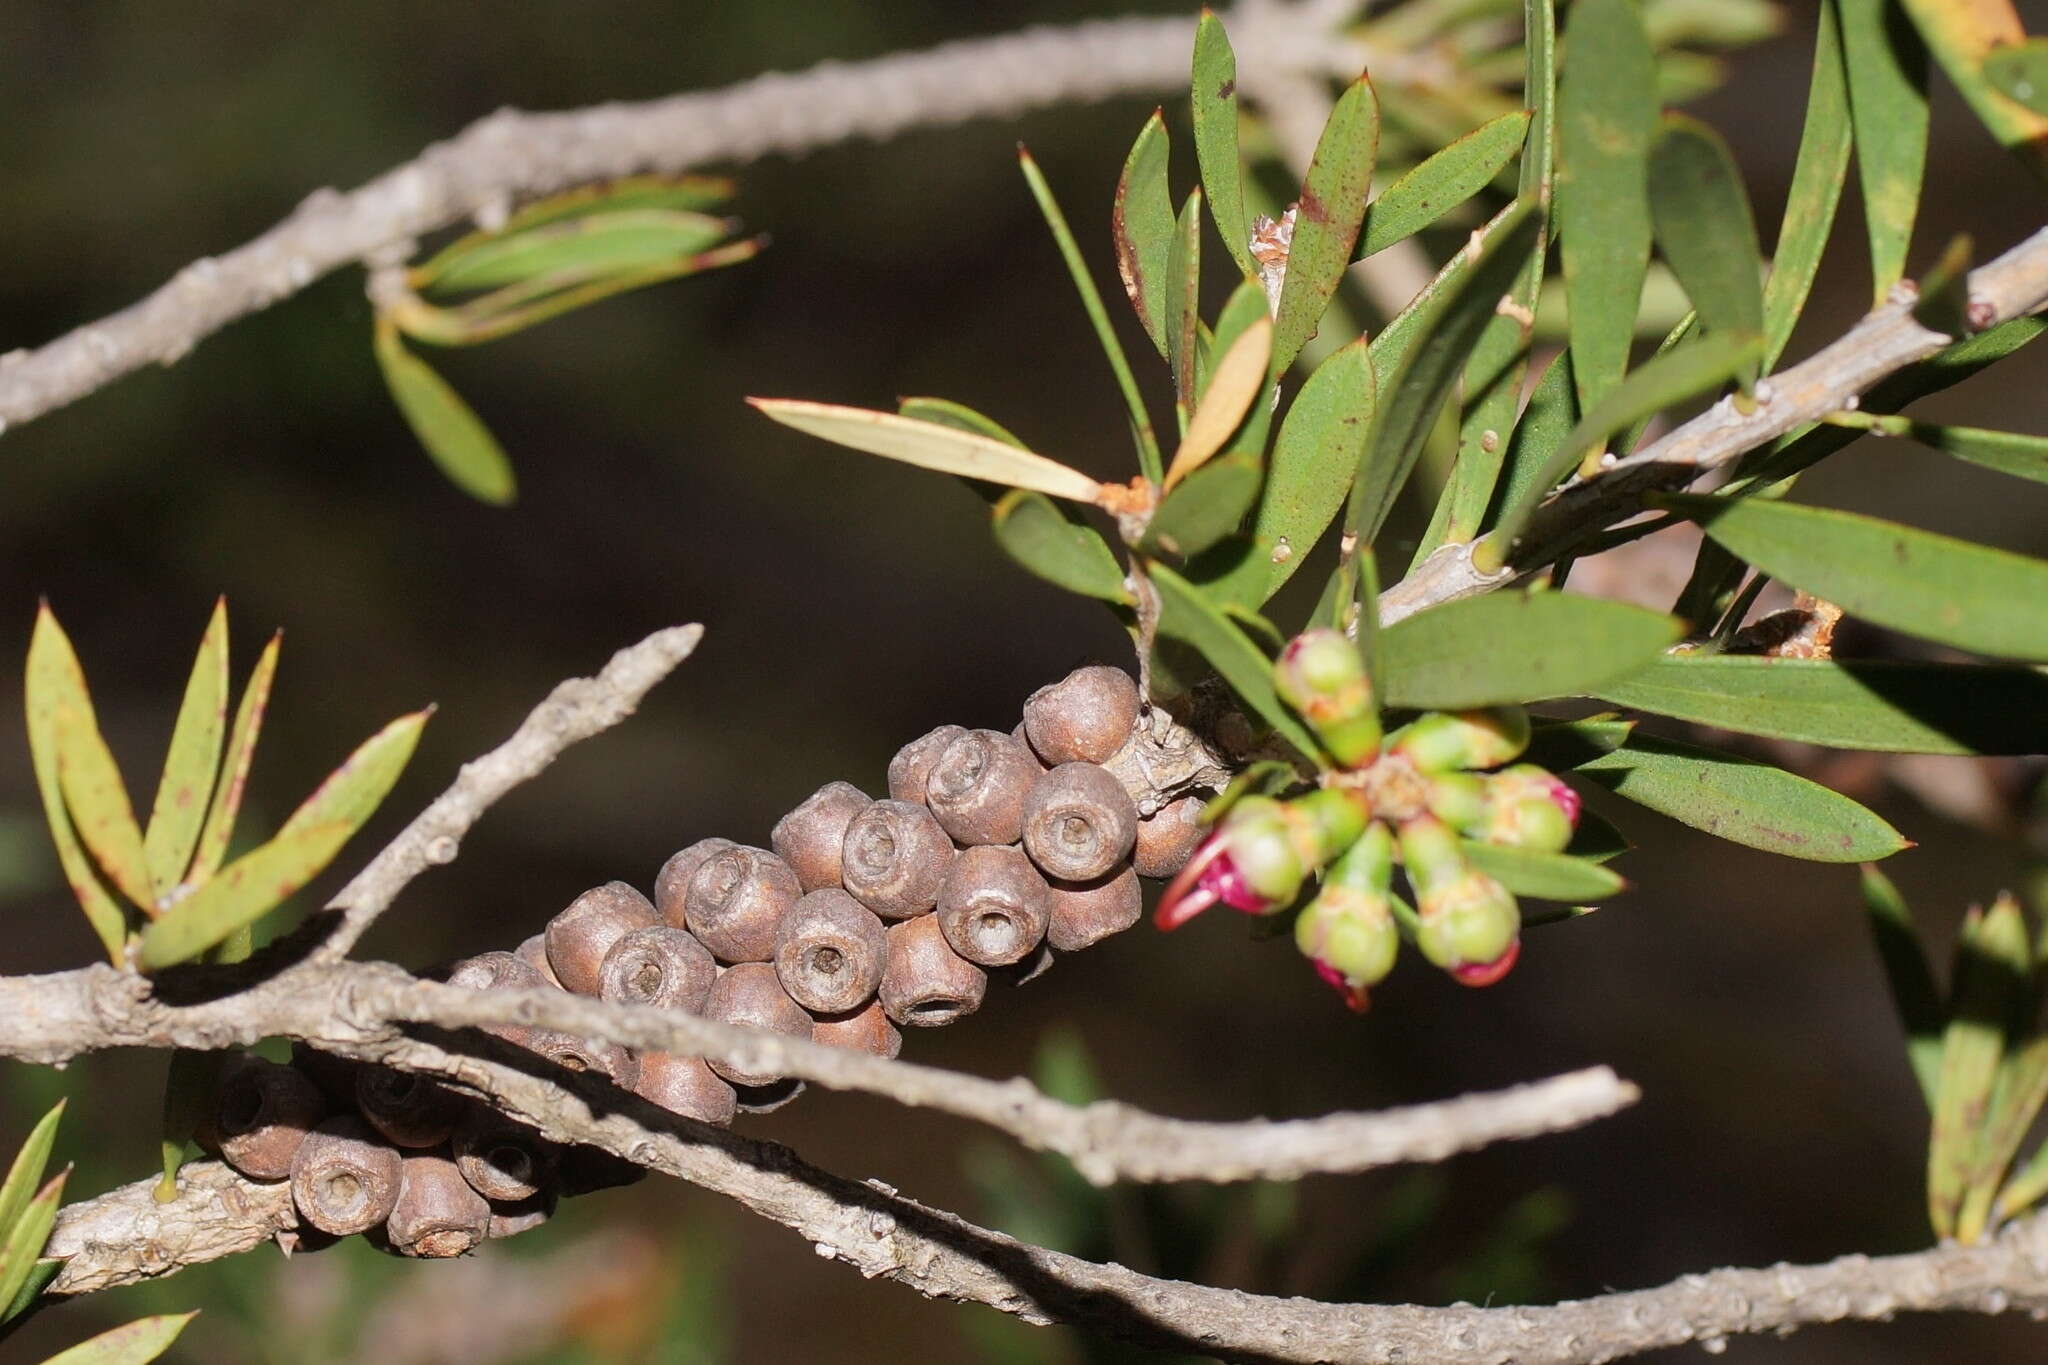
x,y
1239,380
192,764
931,446
136,1343
451,432
227,793
54,681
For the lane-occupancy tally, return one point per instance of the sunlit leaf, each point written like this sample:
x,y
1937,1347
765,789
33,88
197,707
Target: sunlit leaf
x,y
22,1244
605,243
946,413
1887,68
241,750
137,1343
1911,980
1332,207
1444,180
1544,876
1238,380
1886,705
1206,507
1818,175
1963,37
26,1172
1954,591
930,446
1504,647
192,763
1993,976
1141,225
1743,802
1186,615
100,810
1607,114
451,432
350,794
2020,71
1706,231
1034,531
54,682
1214,94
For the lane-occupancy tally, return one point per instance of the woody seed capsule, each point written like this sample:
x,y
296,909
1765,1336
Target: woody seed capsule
x,y
437,1214
521,1215
867,1029
1085,913
502,1159
1083,718
994,906
580,936
809,838
736,902
498,971
828,952
924,982
895,859
912,765
1079,822
261,1113
685,1085
533,952
672,883
584,1055
1167,840
410,1110
977,787
659,966
750,994
766,1099
345,1178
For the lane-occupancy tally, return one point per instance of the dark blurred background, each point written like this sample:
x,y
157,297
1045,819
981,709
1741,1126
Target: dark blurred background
x,y
851,605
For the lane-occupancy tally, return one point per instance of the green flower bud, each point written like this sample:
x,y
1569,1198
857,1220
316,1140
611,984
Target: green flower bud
x,y
1529,808
1429,848
1325,823
1348,931
1444,741
1460,800
1321,675
1471,928
1261,835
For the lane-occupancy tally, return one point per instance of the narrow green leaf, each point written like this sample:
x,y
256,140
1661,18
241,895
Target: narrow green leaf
x,y
1818,175
1214,92
681,193
1327,218
1034,531
39,1277
1443,181
1141,225
1237,381
946,413
599,243
1205,508
2016,1101
1963,37
1549,418
1314,460
1914,994
1412,396
1183,305
1544,876
54,681
2020,72
1188,616
1884,705
2008,452
1887,68
192,763
350,794
1705,229
22,1244
1560,745
1607,114
1245,309
1993,975
929,445
1744,802
137,1343
26,1172
1505,647
241,750
240,894
451,432
98,799
1959,593
1098,316
1685,372
1596,840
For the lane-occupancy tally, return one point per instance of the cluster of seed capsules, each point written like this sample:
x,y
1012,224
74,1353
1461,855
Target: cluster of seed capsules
x,y
1411,797
991,852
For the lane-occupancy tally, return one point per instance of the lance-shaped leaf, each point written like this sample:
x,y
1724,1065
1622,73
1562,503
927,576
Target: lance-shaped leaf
x,y
1207,507
1819,173
1238,380
98,800
1186,615
1183,305
1885,705
54,682
1413,395
1314,460
1549,418
1327,220
39,1276
1443,181
928,445
1993,983
2016,1101
1596,840
1963,37
1954,591
1914,994
26,1172
454,437
1098,316
1607,114
2008,452
1684,372
946,413
2020,71
22,1243
1034,531
1214,107
1706,231
1562,744
253,884
192,764
136,1343
234,777
1887,68
1744,802
1245,308
1544,876
1507,647
680,193
605,243
1141,225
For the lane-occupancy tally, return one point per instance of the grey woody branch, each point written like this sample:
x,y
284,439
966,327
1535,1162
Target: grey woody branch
x,y
512,156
